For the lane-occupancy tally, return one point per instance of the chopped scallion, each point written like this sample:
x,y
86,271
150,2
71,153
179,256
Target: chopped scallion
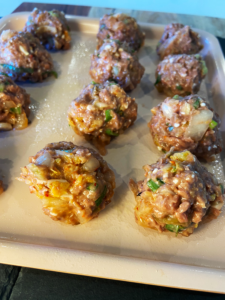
x,y
177,97
2,87
102,196
16,110
92,187
158,79
179,87
110,132
222,188
174,228
196,104
213,124
152,185
108,116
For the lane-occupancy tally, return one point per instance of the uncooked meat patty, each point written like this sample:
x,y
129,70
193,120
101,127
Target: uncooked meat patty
x,y
50,27
73,182
177,194
101,112
180,74
178,39
120,27
186,123
22,57
116,61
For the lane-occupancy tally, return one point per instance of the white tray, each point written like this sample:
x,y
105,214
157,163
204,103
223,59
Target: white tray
x,y
113,245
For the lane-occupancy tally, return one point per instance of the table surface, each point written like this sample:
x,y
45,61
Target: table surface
x,y
18,283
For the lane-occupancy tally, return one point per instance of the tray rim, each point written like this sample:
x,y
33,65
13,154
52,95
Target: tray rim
x,y
118,267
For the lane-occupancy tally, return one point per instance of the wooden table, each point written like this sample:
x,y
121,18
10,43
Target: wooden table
x,y
23,283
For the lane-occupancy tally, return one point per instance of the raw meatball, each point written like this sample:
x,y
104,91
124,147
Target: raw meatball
x,y
177,194
74,183
186,123
180,74
14,105
116,61
22,57
120,27
101,112
50,28
178,39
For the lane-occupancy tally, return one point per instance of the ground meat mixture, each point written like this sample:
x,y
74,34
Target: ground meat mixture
x,y
50,28
186,123
177,194
118,62
178,39
74,183
22,57
180,74
102,112
120,27
14,105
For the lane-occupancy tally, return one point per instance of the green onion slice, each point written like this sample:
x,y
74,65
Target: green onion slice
x,y
108,116
177,97
222,188
112,83
174,228
179,87
16,110
102,196
161,181
196,104
93,82
158,79
2,87
152,185
92,187
213,124
110,132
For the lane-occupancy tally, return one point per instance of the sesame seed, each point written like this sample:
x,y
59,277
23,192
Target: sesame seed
x,y
175,180
203,104
176,124
155,171
160,148
214,146
209,148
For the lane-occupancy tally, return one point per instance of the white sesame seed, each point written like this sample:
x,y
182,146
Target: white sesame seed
x,y
176,124
155,171
203,104
160,148
193,175
214,146
209,148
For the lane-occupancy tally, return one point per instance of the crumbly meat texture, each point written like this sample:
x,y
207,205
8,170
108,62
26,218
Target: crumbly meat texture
x,y
120,27
178,39
50,27
73,182
116,61
101,112
177,194
14,105
186,123
22,57
180,74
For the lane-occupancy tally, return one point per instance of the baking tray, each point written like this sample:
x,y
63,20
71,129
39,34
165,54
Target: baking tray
x,y
111,246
